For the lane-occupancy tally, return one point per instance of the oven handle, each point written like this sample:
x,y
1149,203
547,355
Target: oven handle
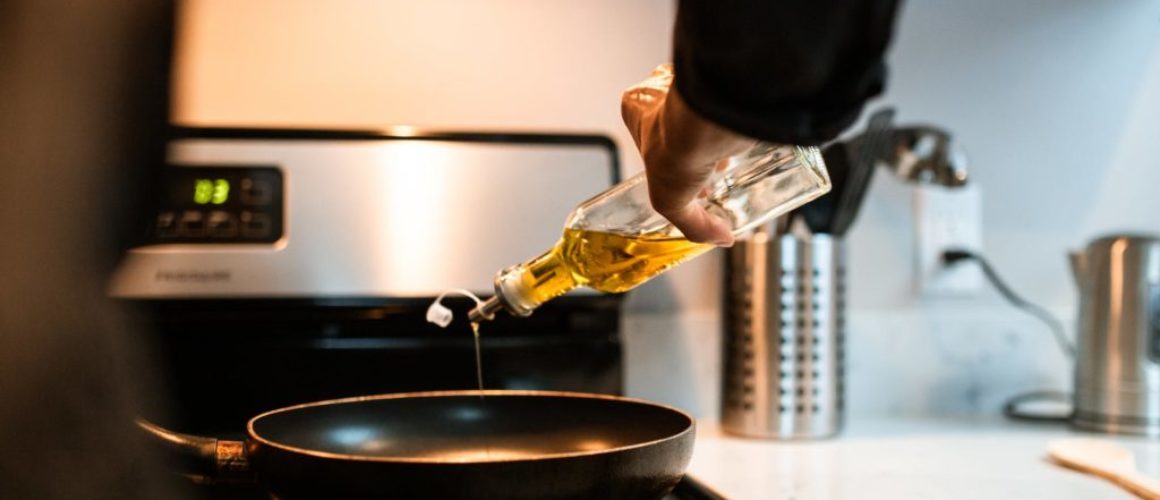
x,y
204,460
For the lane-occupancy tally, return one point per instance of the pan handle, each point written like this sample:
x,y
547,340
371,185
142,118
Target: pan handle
x,y
202,459
695,490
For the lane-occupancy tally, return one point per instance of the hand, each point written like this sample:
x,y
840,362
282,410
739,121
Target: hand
x,y
680,151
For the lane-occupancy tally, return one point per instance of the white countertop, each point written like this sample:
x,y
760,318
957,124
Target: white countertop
x,y
906,459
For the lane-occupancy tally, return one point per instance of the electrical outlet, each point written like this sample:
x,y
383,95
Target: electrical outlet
x,y
946,219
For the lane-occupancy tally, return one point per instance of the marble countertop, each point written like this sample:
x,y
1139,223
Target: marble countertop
x,y
906,459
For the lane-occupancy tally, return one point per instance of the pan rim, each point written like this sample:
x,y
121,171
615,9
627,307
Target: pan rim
x,y
253,435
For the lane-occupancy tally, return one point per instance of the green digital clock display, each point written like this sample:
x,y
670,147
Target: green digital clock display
x,y
211,191
220,204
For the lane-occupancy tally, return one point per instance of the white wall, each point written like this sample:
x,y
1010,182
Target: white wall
x,y
448,64
1057,102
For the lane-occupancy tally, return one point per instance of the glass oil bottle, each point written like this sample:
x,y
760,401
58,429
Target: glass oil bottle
x,y
616,241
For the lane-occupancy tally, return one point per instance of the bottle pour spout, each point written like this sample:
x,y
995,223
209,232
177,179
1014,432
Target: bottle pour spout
x,y
440,315
485,311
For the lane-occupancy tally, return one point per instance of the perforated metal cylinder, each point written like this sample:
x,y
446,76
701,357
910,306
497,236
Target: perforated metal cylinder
x,y
784,337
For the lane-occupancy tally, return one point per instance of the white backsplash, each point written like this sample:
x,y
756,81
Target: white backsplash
x,y
942,360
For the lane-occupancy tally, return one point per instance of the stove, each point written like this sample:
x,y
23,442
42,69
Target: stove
x,y
286,266
688,489
283,266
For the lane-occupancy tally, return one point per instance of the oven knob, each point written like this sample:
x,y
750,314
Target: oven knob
x,y
221,224
192,224
255,225
166,225
256,191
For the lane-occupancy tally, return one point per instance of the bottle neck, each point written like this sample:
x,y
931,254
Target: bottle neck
x,y
523,288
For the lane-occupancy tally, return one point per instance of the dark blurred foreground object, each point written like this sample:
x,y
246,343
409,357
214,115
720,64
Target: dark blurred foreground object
x,y
83,107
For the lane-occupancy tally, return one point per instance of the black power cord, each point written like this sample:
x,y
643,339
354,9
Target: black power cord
x,y
951,257
1011,409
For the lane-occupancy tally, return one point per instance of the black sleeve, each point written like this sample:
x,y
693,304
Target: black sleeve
x,y
788,71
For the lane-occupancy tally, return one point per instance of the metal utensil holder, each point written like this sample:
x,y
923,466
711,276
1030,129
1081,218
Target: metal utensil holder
x,y
784,337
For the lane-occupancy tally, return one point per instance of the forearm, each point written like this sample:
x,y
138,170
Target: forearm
x,y
782,71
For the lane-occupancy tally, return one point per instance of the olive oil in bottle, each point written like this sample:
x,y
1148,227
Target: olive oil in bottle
x,y
608,262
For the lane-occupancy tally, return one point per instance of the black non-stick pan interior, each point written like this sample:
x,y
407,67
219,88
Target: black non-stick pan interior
x,y
500,426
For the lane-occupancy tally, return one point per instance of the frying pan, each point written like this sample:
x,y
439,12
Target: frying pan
x,y
453,445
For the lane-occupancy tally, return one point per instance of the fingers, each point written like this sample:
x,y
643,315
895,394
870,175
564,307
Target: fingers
x,y
681,151
698,225
673,189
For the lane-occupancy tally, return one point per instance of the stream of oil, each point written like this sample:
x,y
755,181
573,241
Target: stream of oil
x,y
479,383
478,358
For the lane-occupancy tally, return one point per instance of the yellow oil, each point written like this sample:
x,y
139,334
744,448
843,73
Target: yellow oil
x,y
482,401
478,358
608,262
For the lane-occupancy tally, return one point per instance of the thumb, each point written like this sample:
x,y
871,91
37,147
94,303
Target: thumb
x,y
698,225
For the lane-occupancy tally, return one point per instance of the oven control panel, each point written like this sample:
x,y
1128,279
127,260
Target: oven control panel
x,y
220,204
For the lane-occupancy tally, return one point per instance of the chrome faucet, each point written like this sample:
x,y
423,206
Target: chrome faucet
x,y
921,154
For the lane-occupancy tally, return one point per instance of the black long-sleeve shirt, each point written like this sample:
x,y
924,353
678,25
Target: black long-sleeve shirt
x,y
791,71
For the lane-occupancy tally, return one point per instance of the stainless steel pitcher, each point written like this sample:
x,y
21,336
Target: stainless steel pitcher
x,y
1117,371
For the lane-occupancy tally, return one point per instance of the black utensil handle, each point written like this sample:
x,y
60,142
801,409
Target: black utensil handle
x,y
692,489
204,459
